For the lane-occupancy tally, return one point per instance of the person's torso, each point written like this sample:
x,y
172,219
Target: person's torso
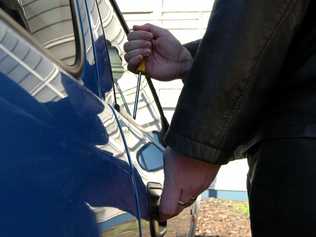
x,y
291,109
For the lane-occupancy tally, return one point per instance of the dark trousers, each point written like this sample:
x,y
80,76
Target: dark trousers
x,y
282,188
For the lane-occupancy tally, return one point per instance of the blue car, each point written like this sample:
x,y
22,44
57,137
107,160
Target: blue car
x,y
80,136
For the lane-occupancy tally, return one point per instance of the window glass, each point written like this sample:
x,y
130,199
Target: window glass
x,y
49,22
125,82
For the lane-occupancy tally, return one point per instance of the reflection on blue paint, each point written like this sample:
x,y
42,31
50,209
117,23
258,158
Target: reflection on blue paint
x,y
117,220
50,167
51,131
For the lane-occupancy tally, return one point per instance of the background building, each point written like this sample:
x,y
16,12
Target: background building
x,y
187,20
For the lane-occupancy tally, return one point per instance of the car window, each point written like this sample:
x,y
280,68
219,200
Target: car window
x,y
124,81
49,22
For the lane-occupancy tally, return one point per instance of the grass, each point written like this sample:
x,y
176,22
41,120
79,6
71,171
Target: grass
x,y
242,207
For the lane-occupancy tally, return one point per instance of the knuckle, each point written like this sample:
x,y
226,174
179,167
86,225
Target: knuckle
x,y
148,25
147,44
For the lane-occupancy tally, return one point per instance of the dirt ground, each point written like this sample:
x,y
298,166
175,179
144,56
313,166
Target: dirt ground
x,y
220,218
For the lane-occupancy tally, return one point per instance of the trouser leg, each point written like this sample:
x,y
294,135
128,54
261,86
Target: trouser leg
x,y
282,188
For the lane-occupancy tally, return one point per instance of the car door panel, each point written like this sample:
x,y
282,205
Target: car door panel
x,y
74,119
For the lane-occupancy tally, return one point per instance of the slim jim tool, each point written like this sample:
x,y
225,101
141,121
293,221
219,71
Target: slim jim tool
x,y
141,71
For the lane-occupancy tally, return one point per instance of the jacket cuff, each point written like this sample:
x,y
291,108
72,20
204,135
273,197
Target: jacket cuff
x,y
196,150
192,47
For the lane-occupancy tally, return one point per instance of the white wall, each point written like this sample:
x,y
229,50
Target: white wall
x,y
187,20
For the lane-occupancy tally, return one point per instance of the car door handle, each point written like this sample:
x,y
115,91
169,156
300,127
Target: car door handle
x,y
157,228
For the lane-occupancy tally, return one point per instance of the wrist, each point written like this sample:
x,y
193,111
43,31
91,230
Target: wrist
x,y
192,160
186,64
186,70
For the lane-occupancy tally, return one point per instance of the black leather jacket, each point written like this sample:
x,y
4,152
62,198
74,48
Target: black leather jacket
x,y
253,78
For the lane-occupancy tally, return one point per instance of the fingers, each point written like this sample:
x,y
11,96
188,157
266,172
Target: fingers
x,y
137,48
140,35
134,63
134,58
135,44
140,44
169,203
172,203
187,198
185,179
155,30
137,52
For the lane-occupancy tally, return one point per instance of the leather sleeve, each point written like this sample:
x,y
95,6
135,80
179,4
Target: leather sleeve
x,y
192,47
236,66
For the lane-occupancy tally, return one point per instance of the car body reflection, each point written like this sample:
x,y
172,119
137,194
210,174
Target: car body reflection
x,y
75,152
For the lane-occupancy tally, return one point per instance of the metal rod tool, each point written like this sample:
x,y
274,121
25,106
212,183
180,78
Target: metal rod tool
x,y
141,71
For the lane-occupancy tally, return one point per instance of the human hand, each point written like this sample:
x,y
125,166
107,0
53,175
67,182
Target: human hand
x,y
165,58
185,179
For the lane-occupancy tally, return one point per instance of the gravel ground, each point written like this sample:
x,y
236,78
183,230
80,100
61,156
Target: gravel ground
x,y
220,218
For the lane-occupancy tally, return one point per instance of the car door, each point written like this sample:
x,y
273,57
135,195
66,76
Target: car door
x,y
48,60
143,134
120,223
